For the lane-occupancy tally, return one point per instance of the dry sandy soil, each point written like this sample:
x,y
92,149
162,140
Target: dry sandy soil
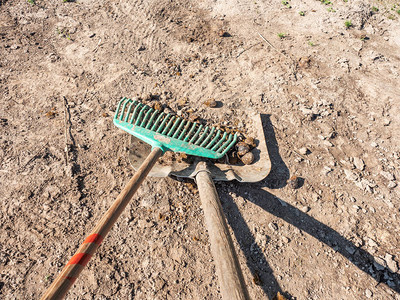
x,y
331,89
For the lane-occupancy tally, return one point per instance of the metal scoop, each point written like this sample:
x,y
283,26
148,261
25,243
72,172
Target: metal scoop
x,y
228,270
255,172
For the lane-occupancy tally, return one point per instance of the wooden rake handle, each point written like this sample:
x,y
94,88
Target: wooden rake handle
x,y
227,266
71,271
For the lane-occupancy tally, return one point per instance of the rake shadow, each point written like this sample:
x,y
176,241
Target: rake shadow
x,y
290,214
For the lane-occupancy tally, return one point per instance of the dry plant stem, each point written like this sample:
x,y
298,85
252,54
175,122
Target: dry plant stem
x,y
71,271
267,41
227,266
248,48
294,71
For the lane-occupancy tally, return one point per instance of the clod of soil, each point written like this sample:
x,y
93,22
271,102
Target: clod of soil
x,y
248,158
250,141
242,148
157,105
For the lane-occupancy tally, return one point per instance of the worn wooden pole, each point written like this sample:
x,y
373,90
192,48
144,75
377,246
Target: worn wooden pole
x,y
227,266
76,264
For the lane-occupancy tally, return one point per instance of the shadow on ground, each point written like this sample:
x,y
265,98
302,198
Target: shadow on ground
x,y
268,202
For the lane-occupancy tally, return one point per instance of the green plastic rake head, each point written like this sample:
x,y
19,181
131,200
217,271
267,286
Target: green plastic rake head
x,y
171,133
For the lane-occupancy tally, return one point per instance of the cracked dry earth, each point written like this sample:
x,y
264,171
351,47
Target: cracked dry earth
x,y
330,96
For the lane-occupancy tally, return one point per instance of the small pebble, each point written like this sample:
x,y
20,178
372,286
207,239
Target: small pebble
x,y
294,182
379,263
210,103
350,175
304,151
304,62
391,263
223,33
368,293
386,122
372,243
305,209
387,175
273,226
392,185
359,163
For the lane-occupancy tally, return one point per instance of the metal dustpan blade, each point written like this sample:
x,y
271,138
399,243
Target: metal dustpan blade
x,y
255,172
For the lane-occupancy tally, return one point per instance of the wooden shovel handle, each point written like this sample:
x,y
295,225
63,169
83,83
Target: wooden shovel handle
x,y
227,266
71,271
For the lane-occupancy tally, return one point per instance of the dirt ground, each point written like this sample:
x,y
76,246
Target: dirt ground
x,y
331,96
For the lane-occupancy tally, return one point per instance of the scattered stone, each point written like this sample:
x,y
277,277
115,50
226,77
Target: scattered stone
x,y
386,122
298,159
294,182
328,143
372,243
147,202
350,175
327,170
304,62
387,175
305,209
379,263
373,144
262,240
365,185
14,47
359,163
248,158
210,103
273,226
91,35
223,33
304,151
392,184
306,111
368,293
141,48
391,263
285,239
